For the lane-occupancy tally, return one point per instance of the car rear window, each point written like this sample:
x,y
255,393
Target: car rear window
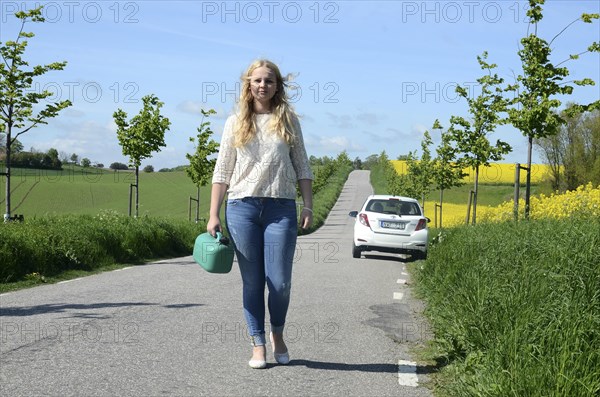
x,y
395,207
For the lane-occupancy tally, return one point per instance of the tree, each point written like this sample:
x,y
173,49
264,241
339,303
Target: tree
x,y
573,153
148,168
534,110
16,147
142,135
17,99
370,162
396,184
64,157
201,168
54,160
85,162
447,173
420,171
74,158
471,137
343,160
118,166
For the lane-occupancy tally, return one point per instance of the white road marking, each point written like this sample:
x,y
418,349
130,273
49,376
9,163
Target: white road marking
x,y
4,294
407,373
124,268
398,295
401,281
404,274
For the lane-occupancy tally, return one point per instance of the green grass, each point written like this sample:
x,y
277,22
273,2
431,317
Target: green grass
x,y
79,191
49,246
378,180
326,197
516,308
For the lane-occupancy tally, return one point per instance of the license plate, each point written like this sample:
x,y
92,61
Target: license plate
x,y
392,225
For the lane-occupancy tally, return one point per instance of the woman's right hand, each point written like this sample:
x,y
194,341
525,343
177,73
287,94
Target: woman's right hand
x,y
214,225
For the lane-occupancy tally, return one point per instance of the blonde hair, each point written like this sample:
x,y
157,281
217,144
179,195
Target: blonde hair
x,y
284,119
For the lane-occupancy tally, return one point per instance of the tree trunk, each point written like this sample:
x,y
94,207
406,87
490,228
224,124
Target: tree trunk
x,y
441,201
475,195
528,178
8,147
197,204
137,191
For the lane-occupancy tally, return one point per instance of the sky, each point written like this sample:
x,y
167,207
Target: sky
x,y
368,76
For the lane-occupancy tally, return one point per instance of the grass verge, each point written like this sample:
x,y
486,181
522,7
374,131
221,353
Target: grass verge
x,y
44,249
515,308
326,197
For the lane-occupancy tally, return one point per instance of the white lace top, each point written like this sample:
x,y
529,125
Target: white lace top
x,y
265,167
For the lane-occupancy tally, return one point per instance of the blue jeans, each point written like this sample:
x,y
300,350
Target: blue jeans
x,y
264,233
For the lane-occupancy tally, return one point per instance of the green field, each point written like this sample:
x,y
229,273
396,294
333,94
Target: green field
x,y
76,190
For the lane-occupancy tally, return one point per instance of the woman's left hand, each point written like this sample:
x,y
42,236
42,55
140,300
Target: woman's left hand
x,y
306,218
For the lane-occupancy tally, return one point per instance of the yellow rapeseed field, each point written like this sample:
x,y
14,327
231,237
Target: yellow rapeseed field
x,y
585,200
494,173
452,215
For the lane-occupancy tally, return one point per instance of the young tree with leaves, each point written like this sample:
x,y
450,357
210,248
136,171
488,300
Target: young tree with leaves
x,y
394,182
473,146
573,153
201,167
420,171
142,135
447,173
535,107
17,100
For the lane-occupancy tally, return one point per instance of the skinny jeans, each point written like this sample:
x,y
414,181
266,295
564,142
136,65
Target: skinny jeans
x,y
264,233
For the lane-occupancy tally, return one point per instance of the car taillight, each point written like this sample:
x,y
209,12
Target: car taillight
x,y
421,225
364,220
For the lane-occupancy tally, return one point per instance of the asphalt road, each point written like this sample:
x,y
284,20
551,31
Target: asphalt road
x,y
169,328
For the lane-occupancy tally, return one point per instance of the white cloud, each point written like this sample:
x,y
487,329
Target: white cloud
x,y
194,108
418,129
369,118
190,107
70,112
337,144
343,121
306,117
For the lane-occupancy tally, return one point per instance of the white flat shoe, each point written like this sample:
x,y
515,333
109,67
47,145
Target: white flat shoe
x,y
281,358
257,364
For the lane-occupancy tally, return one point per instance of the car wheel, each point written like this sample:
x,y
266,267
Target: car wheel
x,y
420,255
355,251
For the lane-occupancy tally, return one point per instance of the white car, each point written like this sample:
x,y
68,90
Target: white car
x,y
392,224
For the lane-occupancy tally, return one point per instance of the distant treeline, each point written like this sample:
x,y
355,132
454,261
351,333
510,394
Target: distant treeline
x,y
35,160
174,169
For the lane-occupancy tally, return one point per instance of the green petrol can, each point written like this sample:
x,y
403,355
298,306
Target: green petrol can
x,y
214,254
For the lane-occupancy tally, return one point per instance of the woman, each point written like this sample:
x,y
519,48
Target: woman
x,y
261,159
